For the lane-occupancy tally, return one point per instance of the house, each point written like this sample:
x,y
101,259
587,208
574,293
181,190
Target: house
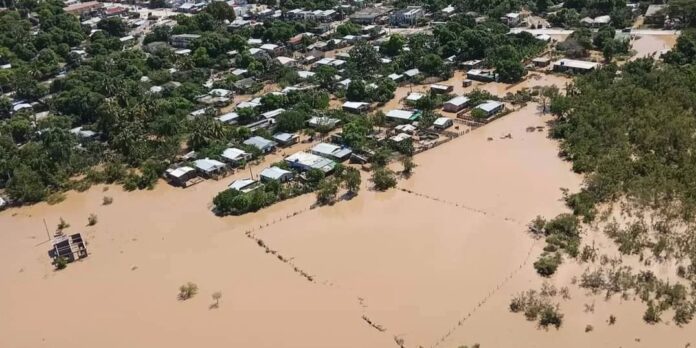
x,y
272,114
244,85
322,121
264,145
240,72
235,156
491,107
401,116
305,74
656,14
541,62
179,176
286,61
448,11
286,139
455,104
480,75
412,73
228,118
209,167
441,89
254,42
443,123
272,49
183,40
84,133
406,128
574,66
467,83
81,8
414,97
370,15
407,17
395,77
244,185
305,161
275,173
356,107
331,151
472,64
511,19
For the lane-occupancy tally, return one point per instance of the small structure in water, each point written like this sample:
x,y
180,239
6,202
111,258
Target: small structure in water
x,y
70,248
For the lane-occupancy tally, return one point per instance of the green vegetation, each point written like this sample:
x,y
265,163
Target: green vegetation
x,y
187,291
383,178
538,306
92,220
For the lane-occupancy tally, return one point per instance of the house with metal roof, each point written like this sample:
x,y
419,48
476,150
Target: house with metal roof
x,y
276,173
574,66
331,151
179,176
456,104
264,145
305,161
285,139
209,167
356,107
244,185
235,156
443,123
491,107
229,118
400,116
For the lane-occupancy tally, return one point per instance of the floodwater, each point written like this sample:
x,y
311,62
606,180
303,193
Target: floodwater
x,y
649,45
449,246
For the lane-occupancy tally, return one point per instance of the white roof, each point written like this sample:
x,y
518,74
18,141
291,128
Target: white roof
x,y
400,114
414,96
254,42
239,72
269,47
208,164
395,76
460,100
3,202
412,72
602,19
400,137
234,154
242,184
273,113
441,121
305,74
274,173
259,142
489,105
228,117
354,105
311,160
285,60
220,92
179,172
579,64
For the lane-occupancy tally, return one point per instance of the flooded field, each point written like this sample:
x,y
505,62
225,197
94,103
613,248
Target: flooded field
x,y
433,263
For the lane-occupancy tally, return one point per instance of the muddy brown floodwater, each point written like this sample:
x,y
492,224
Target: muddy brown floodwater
x,y
433,263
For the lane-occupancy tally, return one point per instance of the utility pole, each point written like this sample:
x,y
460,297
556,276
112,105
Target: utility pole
x,y
48,234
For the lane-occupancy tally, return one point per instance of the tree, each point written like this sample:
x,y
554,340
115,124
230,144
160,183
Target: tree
x,y
547,264
327,190
510,71
216,297
356,91
393,46
351,180
26,185
432,65
364,58
383,178
291,121
114,26
408,165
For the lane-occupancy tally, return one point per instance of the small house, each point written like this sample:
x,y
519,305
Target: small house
x,y
209,167
286,139
331,151
235,156
443,123
264,145
356,107
272,114
401,116
574,66
441,89
414,97
275,173
480,75
412,73
541,62
322,121
228,118
472,64
244,185
179,176
456,104
491,107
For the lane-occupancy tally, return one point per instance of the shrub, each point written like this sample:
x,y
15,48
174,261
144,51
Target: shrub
x,y
652,314
326,193
107,200
60,262
547,264
408,164
92,220
550,316
383,179
62,225
187,291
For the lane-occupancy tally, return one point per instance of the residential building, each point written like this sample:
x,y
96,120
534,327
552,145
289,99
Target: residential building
x,y
356,107
276,173
456,104
209,167
656,14
179,176
183,40
286,139
402,116
331,151
244,185
264,145
443,123
323,121
491,107
370,15
441,89
574,66
407,17
305,161
235,156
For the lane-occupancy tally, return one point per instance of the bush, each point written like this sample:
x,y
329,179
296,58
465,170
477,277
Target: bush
x,y
326,193
107,200
547,264
652,314
187,291
60,262
62,225
383,179
550,316
92,220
